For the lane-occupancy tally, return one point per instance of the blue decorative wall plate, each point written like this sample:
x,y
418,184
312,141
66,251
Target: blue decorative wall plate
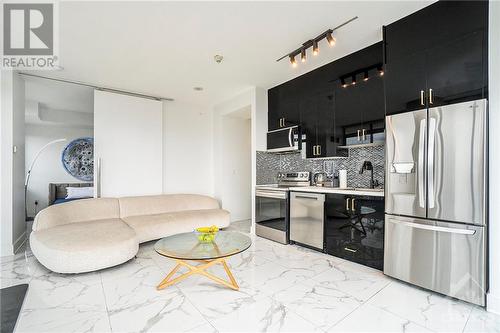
x,y
78,158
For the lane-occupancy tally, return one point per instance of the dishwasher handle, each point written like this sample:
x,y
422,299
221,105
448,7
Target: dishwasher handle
x,y
307,196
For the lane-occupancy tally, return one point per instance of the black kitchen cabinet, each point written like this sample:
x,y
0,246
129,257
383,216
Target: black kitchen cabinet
x,y
354,228
283,108
359,111
317,113
446,61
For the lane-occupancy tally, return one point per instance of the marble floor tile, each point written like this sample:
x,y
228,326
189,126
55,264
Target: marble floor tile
x,y
18,269
428,309
271,278
368,318
320,305
481,321
136,306
62,320
356,280
265,315
205,328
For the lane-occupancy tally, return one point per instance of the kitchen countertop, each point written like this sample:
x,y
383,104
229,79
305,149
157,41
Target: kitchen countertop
x,y
348,191
323,189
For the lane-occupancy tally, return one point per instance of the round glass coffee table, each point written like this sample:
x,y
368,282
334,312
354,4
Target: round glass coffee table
x,y
186,247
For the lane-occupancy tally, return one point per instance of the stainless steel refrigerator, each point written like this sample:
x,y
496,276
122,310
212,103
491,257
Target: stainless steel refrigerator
x,y
436,199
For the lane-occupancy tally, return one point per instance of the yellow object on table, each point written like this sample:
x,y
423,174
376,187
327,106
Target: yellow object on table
x,y
207,234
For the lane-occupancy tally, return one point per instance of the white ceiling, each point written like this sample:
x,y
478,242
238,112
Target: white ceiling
x,y
167,48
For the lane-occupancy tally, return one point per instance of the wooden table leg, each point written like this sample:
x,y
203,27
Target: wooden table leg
x,y
200,269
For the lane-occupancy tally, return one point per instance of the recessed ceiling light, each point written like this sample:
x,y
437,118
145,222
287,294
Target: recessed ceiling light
x,y
198,88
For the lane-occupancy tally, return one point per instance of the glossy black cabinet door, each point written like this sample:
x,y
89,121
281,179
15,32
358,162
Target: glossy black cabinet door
x,y
457,70
283,107
307,107
348,115
354,229
325,124
405,84
433,25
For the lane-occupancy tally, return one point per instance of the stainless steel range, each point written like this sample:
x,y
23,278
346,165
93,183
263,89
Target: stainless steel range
x,y
272,206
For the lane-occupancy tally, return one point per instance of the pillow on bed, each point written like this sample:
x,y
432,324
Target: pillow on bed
x,y
79,192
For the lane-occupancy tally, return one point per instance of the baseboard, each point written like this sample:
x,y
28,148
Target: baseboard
x,y
493,303
19,242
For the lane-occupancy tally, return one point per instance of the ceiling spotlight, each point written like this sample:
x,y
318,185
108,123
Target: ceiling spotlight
x,y
365,78
331,40
380,71
292,60
353,82
315,47
342,81
303,55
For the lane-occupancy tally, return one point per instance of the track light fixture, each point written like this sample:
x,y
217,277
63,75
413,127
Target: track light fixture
x,y
331,40
328,35
351,78
303,55
380,71
365,78
315,47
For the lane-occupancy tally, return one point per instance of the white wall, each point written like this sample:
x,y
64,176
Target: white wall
x,y
13,225
256,99
493,303
236,168
48,167
187,149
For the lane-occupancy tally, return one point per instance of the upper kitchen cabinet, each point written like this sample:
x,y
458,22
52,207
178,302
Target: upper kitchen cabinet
x,y
437,56
317,114
359,111
283,105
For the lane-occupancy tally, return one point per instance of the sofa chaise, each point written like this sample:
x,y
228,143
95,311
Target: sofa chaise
x,y
91,234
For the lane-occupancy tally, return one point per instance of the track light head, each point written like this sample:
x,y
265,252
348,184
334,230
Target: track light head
x,y
380,71
331,40
315,47
365,78
342,82
303,55
353,82
292,60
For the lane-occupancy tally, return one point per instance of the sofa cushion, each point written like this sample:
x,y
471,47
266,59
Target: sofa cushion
x,y
150,227
159,204
77,211
86,246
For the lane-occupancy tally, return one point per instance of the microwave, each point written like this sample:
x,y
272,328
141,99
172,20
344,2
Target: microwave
x,y
284,140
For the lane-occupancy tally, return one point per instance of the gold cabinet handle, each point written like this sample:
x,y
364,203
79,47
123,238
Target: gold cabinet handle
x,y
284,122
422,93
431,101
353,207
314,150
347,204
364,137
319,150
358,134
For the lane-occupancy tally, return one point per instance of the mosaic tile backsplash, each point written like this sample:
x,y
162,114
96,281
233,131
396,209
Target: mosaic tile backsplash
x,y
268,165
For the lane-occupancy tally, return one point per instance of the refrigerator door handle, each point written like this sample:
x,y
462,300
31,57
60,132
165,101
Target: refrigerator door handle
x,y
420,170
434,228
430,158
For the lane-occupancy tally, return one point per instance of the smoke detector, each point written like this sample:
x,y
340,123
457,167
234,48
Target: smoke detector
x,y
218,58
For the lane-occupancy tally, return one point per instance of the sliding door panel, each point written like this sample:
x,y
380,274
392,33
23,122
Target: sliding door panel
x,y
128,145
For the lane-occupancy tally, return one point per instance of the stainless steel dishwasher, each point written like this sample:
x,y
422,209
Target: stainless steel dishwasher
x,y
307,216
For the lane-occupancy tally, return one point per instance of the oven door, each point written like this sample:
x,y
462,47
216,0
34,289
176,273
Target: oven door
x,y
271,215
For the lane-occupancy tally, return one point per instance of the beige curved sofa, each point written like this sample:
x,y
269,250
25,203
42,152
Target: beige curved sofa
x,y
91,234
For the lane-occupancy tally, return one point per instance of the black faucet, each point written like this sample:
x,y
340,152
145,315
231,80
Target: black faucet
x,y
367,165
